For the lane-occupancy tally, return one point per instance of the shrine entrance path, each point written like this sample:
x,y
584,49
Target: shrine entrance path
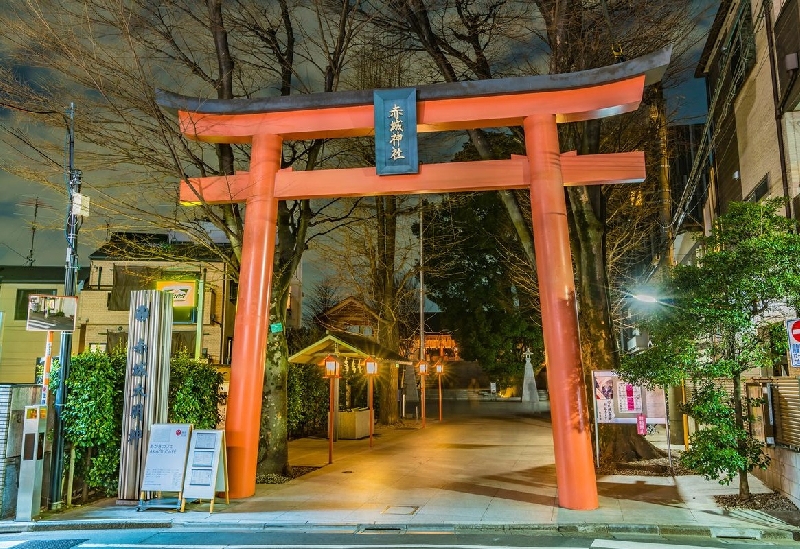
x,y
489,465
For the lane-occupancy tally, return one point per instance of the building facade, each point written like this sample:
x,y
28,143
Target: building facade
x,y
750,62
20,349
750,65
204,295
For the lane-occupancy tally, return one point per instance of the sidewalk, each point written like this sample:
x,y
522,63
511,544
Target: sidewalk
x,y
487,466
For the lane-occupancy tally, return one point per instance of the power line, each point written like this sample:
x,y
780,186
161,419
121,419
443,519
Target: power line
x,y
710,132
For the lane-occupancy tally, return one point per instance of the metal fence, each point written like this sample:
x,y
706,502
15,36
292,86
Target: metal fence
x,y
777,420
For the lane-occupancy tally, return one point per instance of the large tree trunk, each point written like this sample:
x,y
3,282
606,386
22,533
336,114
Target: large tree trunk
x,y
388,380
618,443
273,447
386,293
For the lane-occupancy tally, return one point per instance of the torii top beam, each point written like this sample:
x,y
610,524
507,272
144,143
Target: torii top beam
x,y
583,95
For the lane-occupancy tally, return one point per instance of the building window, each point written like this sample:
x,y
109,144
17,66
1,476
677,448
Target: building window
x,y
21,306
233,291
760,190
97,347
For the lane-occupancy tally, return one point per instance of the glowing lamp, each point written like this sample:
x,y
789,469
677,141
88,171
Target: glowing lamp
x,y
331,366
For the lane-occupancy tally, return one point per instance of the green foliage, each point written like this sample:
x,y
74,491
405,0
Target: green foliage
x,y
194,392
93,413
474,289
777,345
721,451
710,331
307,400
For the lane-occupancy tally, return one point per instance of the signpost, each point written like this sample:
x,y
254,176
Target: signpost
x,y
793,330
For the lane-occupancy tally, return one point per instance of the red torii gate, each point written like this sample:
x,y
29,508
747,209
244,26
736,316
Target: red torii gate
x,y
537,103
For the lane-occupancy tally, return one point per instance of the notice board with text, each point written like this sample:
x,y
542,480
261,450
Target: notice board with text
x,y
165,463
206,466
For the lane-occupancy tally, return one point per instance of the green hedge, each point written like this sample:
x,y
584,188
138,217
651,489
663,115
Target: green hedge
x,y
194,392
307,402
93,411
92,417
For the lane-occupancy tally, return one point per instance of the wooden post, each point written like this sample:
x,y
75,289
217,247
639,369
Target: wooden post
x,y
575,474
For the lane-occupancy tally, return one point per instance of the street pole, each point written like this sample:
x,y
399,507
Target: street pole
x,y
421,290
371,411
440,396
73,188
331,411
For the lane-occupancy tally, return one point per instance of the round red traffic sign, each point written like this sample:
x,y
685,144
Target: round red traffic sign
x,y
794,331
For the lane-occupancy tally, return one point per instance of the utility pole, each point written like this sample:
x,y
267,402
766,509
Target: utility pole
x,y
73,189
421,290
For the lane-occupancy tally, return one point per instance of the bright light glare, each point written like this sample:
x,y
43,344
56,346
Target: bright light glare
x,y
645,298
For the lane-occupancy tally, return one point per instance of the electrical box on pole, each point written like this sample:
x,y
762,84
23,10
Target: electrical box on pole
x,y
31,466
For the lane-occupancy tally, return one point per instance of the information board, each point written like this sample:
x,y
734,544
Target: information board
x,y
617,401
206,467
165,464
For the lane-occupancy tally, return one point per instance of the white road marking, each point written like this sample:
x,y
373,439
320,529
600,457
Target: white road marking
x,y
615,544
303,546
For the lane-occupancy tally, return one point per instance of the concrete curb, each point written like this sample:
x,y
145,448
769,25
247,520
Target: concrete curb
x,y
345,528
88,524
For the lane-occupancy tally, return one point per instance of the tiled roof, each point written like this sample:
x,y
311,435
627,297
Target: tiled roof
x,y
155,247
21,273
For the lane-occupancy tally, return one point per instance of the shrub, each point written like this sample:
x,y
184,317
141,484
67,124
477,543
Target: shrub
x,y
92,414
194,392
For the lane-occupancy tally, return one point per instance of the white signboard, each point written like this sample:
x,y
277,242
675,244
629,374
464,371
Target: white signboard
x,y
206,467
166,457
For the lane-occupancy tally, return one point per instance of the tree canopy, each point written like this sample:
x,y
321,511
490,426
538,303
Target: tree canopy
x,y
711,329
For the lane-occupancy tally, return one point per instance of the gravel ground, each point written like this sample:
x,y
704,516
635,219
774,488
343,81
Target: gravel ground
x,y
280,479
773,504
658,467
761,502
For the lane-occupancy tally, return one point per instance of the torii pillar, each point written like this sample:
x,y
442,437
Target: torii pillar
x,y
536,103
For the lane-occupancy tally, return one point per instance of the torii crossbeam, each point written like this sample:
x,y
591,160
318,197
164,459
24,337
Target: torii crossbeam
x,y
537,104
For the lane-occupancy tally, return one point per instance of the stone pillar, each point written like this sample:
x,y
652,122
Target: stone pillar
x,y
530,396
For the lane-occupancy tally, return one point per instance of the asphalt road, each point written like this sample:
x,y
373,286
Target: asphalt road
x,y
322,538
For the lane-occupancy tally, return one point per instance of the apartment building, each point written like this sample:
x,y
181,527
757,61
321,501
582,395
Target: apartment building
x,y
750,63
204,293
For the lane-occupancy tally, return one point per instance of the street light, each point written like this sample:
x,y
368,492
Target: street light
x,y
331,372
423,373
371,366
439,370
646,298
